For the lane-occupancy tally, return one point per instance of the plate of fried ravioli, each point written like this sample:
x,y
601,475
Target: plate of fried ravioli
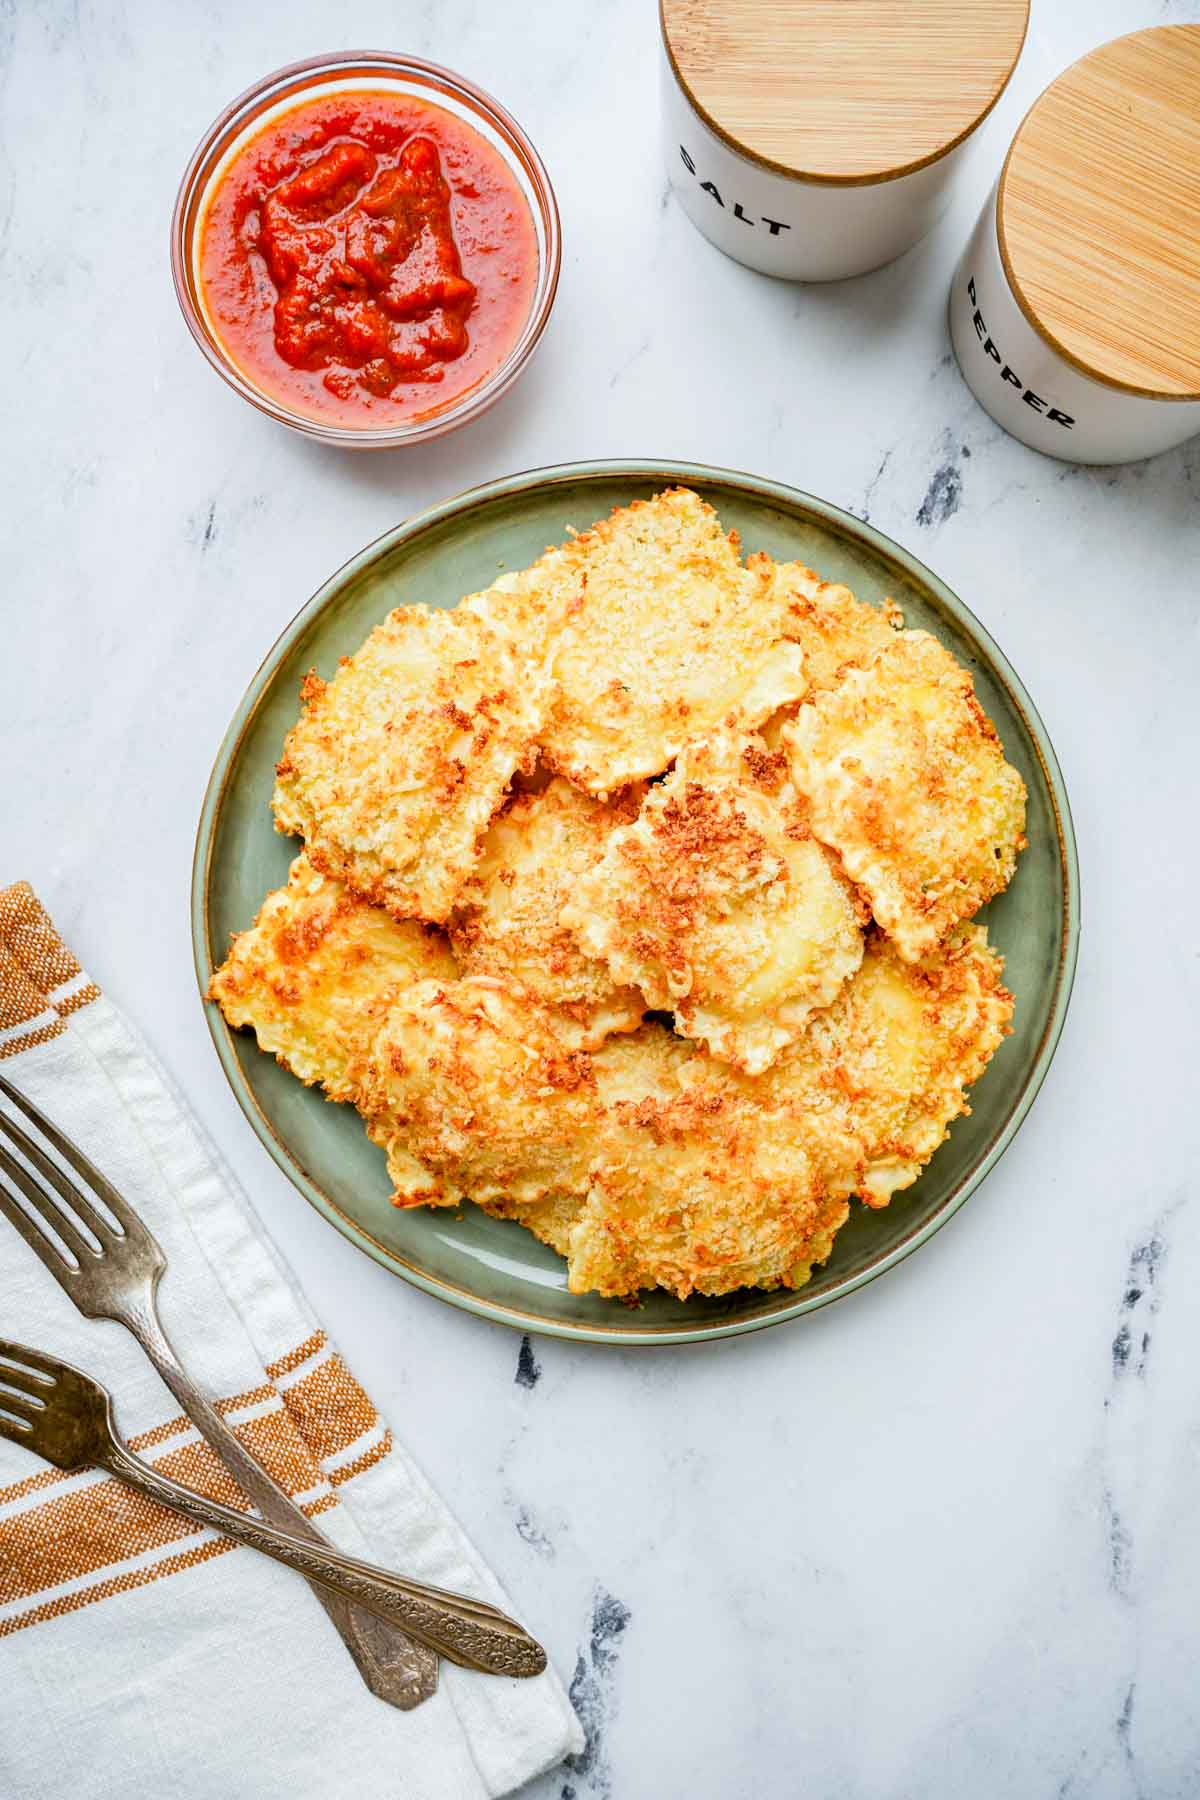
x,y
636,902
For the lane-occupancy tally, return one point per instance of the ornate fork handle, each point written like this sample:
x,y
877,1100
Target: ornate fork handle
x,y
466,1632
404,1671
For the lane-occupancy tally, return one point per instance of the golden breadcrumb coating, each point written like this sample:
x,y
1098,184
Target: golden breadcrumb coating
x,y
887,1066
647,1162
484,768
551,1219
315,971
628,1069
719,1180
313,977
472,1077
720,905
396,766
643,1063
694,1192
835,630
506,923
637,1177
475,1081
667,634
907,781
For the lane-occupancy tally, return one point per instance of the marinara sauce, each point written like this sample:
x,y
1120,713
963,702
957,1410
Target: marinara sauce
x,y
367,257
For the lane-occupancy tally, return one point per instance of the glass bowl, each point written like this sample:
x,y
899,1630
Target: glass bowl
x,y
344,71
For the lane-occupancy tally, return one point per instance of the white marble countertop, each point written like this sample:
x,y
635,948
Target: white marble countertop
x,y
939,1540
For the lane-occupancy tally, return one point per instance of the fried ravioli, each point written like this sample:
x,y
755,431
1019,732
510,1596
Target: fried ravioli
x,y
720,905
629,1070
472,1077
667,634
691,1193
475,1081
397,764
635,776
834,630
313,977
507,923
719,1181
638,1177
907,781
879,1077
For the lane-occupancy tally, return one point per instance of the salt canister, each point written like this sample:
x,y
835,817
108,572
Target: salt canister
x,y
820,138
1075,311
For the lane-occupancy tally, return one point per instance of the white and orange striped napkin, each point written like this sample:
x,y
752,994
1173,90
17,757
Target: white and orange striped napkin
x,y
137,1654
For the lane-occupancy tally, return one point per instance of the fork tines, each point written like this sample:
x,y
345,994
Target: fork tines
x,y
54,1214
26,1376
43,1368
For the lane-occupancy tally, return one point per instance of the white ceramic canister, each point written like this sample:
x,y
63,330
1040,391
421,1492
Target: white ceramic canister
x,y
1075,311
818,139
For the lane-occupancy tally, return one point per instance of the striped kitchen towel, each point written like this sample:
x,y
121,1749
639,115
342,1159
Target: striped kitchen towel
x,y
138,1654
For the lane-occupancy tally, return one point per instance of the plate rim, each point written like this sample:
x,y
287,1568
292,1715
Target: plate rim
x,y
786,498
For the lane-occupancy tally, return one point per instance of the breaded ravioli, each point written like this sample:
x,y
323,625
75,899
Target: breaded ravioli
x,y
834,630
720,905
398,763
907,781
316,969
667,633
313,977
639,780
693,1192
551,1219
639,1178
506,922
719,1181
628,1070
473,1077
474,1080
887,1067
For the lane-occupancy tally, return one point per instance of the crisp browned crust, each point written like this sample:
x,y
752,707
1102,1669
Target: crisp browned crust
x,y
887,1067
316,971
649,1163
313,978
720,905
507,920
567,772
473,1073
835,631
715,1180
668,635
907,781
396,766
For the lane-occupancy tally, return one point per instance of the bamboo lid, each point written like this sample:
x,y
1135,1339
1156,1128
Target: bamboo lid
x,y
850,91
1098,214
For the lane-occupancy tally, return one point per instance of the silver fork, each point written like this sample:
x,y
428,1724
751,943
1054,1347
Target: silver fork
x,y
117,1277
61,1414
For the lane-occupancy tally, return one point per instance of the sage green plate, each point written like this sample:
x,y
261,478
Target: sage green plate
x,y
493,1267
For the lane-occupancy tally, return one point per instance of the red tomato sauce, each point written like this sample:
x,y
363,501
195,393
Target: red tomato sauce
x,y
367,258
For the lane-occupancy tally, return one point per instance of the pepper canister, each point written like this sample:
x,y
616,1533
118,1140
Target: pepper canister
x,y
1075,311
820,138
